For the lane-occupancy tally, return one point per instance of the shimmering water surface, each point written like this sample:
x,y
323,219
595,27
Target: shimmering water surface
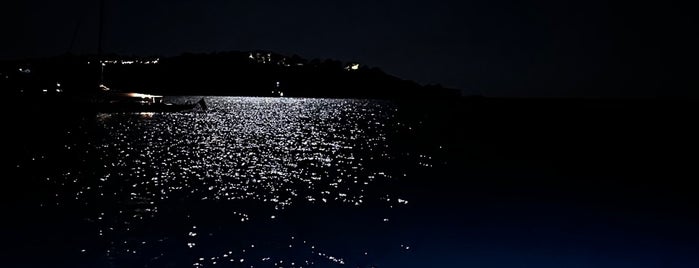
x,y
253,181
286,182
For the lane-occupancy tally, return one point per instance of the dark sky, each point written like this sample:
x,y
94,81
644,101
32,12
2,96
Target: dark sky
x,y
587,48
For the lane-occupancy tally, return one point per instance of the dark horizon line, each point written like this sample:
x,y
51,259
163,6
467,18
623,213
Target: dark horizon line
x,y
465,93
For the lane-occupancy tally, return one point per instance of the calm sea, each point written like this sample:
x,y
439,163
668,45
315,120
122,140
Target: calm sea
x,y
288,182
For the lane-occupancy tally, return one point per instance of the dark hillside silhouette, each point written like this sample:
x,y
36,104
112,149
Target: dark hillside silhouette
x,y
256,73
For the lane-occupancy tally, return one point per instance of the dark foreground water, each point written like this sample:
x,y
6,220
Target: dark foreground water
x,y
278,182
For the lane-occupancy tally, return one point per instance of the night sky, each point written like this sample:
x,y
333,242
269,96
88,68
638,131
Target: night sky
x,y
496,48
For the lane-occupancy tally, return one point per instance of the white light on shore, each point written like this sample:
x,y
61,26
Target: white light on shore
x,y
140,95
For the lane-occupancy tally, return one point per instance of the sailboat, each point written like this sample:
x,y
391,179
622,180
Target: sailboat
x,y
107,100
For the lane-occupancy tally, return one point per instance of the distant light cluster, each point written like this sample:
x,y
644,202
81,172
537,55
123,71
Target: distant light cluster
x,y
352,67
268,58
130,62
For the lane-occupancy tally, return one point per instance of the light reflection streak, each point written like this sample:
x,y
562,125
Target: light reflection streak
x,y
269,151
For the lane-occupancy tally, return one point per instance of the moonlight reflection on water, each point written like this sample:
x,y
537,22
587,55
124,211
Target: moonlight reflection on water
x,y
277,152
274,182
198,186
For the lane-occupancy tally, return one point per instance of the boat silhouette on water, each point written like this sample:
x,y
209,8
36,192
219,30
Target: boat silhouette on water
x,y
109,101
116,102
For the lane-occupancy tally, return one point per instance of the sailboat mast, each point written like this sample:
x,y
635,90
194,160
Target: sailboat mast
x,y
101,29
99,46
